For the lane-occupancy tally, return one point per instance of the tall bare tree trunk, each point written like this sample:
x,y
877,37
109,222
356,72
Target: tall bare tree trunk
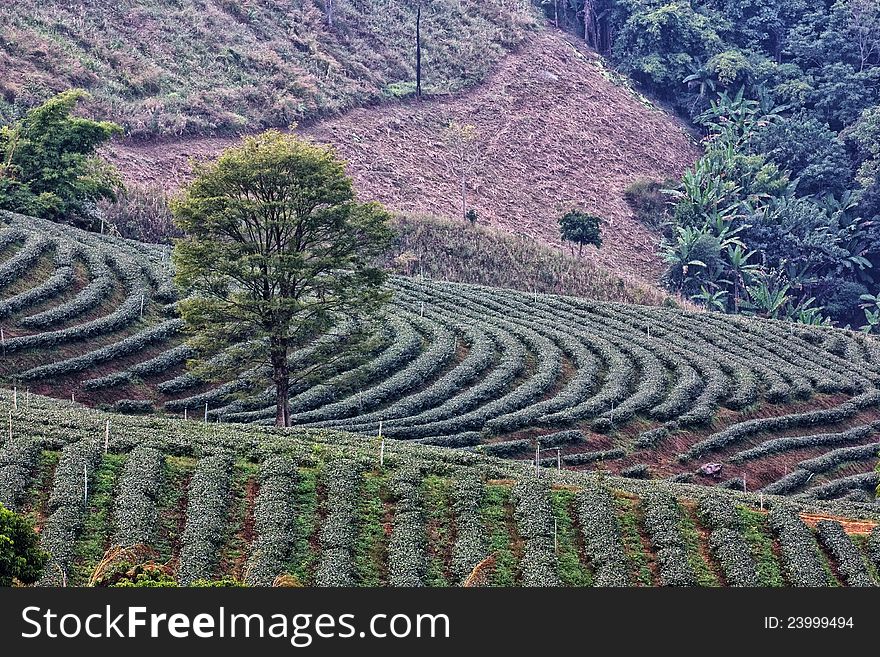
x,y
281,378
419,51
464,197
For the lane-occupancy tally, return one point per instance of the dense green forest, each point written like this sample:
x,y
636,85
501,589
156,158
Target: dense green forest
x,y
780,216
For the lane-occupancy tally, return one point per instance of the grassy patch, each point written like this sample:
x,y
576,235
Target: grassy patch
x,y
757,535
37,498
861,542
305,504
98,527
633,544
691,537
371,548
494,510
172,511
235,548
438,515
571,571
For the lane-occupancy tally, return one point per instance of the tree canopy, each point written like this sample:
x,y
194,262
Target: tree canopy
x,y
580,228
49,165
278,251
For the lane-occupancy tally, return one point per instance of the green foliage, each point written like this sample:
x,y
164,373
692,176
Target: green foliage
x,y
277,249
580,228
657,44
49,167
810,151
21,559
745,238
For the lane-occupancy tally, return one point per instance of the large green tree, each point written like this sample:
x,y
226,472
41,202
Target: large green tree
x,y
49,165
21,559
278,251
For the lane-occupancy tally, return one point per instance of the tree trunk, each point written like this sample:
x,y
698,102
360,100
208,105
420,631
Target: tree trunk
x,y
419,51
281,377
464,197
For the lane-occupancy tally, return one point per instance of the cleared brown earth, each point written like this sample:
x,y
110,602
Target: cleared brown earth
x,y
554,133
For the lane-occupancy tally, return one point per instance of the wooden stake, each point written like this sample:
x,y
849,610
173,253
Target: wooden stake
x,y
422,309
537,458
85,485
142,306
559,459
15,397
3,340
72,397
744,485
762,501
185,414
381,447
206,412
555,535
107,437
10,426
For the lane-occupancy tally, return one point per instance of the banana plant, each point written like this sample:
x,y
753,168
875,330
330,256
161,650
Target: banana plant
x,y
766,298
716,301
740,269
680,253
871,305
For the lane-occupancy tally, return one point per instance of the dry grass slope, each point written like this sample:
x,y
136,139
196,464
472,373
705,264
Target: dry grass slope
x,y
171,67
554,132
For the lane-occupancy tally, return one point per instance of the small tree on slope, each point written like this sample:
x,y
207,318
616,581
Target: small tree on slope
x,y
277,251
580,228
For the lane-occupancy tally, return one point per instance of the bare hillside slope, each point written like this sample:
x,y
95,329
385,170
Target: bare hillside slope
x,y
554,132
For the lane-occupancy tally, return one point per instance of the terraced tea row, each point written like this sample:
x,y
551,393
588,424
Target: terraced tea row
x,y
647,392
119,499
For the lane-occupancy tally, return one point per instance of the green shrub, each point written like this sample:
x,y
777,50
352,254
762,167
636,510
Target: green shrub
x,y
648,202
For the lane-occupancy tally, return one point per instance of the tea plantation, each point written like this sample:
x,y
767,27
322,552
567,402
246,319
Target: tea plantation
x,y
646,392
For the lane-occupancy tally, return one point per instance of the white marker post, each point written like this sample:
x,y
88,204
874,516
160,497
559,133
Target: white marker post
x,y
85,485
558,459
3,340
107,437
185,414
27,398
537,458
142,306
72,397
206,412
10,426
381,447
15,397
